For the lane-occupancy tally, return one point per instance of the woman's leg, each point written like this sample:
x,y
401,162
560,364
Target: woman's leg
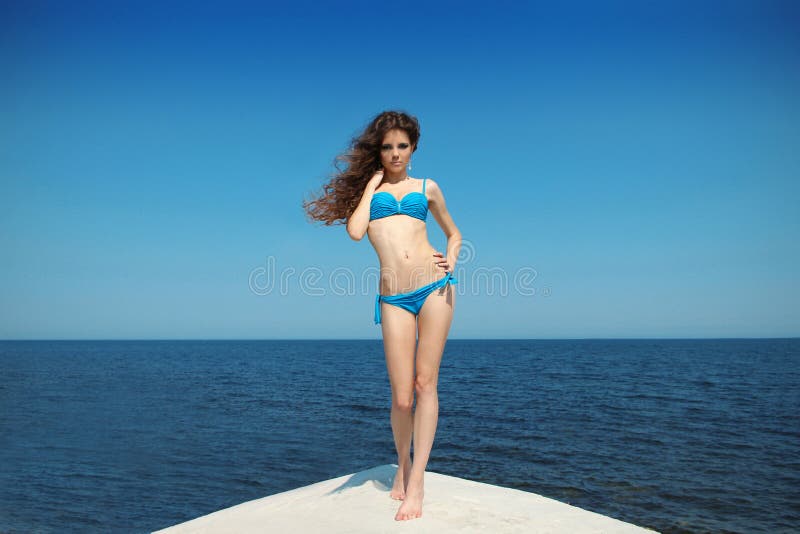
x,y
399,339
434,321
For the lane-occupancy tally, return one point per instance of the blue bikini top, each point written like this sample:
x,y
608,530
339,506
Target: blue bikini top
x,y
413,204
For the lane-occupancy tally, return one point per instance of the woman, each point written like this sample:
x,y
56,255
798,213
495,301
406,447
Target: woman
x,y
376,196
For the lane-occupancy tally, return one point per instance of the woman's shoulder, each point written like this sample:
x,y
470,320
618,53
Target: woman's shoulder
x,y
428,183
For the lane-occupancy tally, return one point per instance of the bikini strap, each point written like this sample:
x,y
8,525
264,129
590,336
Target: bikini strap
x,y
424,180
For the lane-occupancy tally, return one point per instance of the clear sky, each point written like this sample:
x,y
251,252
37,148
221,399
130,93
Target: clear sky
x,y
617,169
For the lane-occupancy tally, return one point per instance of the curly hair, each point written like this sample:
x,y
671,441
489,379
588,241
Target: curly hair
x,y
342,193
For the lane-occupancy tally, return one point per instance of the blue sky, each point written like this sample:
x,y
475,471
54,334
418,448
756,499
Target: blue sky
x,y
637,162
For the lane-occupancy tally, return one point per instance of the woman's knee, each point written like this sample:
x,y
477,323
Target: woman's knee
x,y
404,403
425,384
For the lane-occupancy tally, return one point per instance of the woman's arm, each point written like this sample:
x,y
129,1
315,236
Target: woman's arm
x,y
438,208
358,221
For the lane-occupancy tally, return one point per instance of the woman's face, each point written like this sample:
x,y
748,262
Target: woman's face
x,y
396,150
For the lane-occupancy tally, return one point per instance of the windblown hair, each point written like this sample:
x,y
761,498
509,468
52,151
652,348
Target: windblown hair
x,y
342,193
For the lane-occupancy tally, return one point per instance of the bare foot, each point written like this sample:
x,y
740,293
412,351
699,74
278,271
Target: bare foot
x,y
412,504
399,488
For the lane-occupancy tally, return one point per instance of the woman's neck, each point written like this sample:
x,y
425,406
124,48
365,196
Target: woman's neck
x,y
394,177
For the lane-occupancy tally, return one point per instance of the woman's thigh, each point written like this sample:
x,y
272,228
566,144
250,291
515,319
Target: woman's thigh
x,y
435,318
399,342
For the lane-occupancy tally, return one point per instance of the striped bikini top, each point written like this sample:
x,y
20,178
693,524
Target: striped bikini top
x,y
413,204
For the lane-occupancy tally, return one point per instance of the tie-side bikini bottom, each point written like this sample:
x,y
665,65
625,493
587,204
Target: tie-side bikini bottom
x,y
413,300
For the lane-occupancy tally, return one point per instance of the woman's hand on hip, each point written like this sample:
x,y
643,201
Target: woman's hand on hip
x,y
441,261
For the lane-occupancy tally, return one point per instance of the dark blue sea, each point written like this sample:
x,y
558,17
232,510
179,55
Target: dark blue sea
x,y
134,436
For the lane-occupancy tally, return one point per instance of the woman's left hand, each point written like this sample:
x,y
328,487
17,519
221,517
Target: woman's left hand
x,y
441,261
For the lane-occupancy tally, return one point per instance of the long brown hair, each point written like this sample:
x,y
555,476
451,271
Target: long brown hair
x,y
342,193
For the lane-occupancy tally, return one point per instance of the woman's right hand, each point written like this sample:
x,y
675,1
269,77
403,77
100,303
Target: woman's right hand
x,y
376,179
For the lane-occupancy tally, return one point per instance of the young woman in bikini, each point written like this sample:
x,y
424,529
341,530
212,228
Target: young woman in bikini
x,y
375,196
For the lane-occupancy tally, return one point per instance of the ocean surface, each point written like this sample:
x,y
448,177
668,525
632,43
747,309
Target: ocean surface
x,y
134,436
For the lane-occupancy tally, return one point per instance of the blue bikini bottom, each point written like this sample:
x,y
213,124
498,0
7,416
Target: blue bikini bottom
x,y
414,300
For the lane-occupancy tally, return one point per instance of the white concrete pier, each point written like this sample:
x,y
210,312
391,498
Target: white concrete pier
x,y
360,502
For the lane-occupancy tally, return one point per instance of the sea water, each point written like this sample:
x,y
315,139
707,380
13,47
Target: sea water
x,y
134,436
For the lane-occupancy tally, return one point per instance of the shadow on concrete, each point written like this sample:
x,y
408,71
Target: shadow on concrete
x,y
382,477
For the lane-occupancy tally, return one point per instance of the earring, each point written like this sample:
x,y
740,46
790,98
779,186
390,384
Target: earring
x,y
409,165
